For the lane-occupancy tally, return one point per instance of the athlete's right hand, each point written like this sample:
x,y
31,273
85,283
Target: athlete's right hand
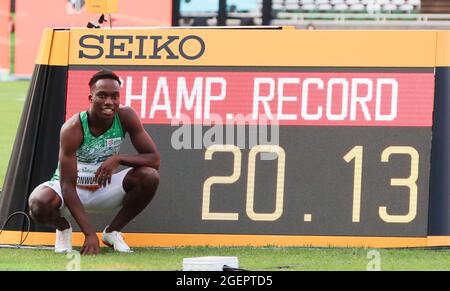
x,y
91,245
105,171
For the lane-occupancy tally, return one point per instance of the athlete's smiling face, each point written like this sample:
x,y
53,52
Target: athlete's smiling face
x,y
105,98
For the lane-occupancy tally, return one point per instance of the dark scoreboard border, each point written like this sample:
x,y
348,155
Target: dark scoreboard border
x,y
439,202
36,145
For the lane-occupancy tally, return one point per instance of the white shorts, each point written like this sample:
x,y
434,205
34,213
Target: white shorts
x,y
101,200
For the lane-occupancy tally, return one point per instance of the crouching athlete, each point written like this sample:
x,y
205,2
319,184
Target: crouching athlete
x,y
86,179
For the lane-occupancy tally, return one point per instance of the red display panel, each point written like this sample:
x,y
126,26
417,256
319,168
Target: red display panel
x,y
287,98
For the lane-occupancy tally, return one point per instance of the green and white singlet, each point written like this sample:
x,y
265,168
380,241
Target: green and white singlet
x,y
94,151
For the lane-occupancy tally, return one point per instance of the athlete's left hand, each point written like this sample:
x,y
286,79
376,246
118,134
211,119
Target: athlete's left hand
x,y
105,171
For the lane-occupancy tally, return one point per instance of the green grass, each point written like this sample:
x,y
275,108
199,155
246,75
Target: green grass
x,y
12,97
254,259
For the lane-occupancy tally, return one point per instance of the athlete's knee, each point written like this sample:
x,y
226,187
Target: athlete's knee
x,y
39,210
145,178
42,208
148,177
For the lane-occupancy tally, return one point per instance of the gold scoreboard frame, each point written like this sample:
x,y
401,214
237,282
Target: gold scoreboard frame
x,y
362,117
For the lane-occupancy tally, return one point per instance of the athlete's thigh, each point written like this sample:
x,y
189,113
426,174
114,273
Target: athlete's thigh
x,y
106,198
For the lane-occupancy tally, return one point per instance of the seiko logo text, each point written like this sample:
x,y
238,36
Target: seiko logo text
x,y
170,47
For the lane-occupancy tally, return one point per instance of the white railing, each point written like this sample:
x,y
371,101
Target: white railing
x,y
337,20
337,17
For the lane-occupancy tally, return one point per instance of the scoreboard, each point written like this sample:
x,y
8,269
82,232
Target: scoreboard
x,y
273,136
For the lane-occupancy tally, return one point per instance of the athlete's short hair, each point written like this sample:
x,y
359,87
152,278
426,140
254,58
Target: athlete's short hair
x,y
103,74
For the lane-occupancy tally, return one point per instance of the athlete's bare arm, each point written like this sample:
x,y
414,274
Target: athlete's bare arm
x,y
147,156
70,140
